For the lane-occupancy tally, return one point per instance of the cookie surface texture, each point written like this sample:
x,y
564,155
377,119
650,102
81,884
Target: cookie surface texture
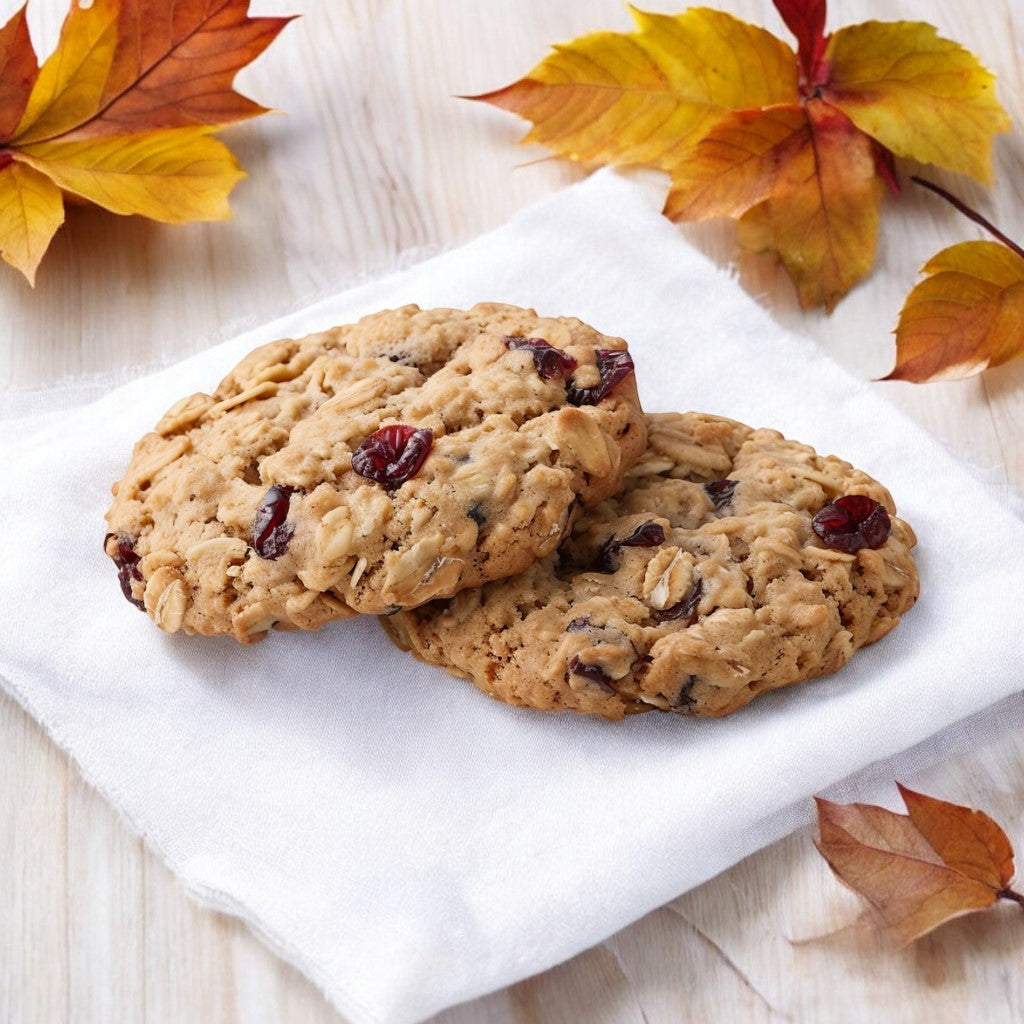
x,y
373,467
704,583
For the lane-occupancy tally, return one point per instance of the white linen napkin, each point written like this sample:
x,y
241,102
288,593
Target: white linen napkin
x,y
404,840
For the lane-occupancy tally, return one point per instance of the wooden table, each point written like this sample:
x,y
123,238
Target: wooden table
x,y
372,158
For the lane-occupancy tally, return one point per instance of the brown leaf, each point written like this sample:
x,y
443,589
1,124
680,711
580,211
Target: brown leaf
x,y
18,72
919,870
968,841
797,145
174,65
119,114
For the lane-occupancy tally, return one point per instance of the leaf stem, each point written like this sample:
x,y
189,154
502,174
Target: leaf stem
x,y
1009,894
977,218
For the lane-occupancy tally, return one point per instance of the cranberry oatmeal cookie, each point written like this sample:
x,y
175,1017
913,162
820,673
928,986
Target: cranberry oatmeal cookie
x,y
372,467
733,562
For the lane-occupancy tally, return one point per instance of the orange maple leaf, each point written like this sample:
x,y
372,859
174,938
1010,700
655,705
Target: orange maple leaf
x,y
921,869
797,145
968,314
121,114
803,182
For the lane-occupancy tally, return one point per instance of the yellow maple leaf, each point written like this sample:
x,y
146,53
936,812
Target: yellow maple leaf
x,y
31,211
171,175
796,145
71,80
644,97
921,96
120,114
968,314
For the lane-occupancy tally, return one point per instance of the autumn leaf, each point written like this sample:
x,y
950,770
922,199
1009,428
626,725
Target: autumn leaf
x,y
18,72
121,114
648,96
167,175
795,145
920,869
31,211
803,183
968,314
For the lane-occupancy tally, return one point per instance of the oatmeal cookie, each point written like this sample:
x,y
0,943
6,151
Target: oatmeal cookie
x,y
733,562
372,467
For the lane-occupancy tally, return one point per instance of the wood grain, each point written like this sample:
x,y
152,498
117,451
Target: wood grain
x,y
375,156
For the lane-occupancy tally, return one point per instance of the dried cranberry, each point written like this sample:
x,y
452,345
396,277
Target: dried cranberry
x,y
127,562
271,531
684,700
686,610
592,672
392,455
853,522
646,535
551,363
720,492
614,366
